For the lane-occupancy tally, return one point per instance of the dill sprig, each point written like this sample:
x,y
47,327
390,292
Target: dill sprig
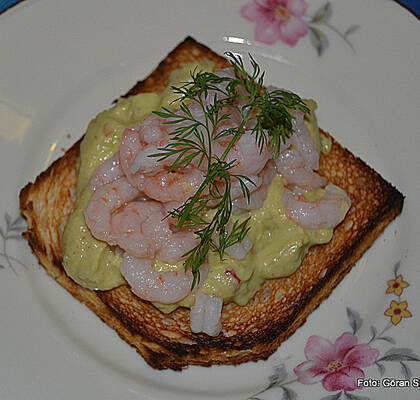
x,y
269,112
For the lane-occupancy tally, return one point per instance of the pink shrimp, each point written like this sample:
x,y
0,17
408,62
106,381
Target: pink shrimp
x,y
153,134
224,73
252,184
177,246
147,173
139,142
257,197
303,143
218,147
220,88
140,228
246,155
142,231
232,117
103,202
240,90
172,206
130,143
291,165
324,213
151,285
108,171
177,186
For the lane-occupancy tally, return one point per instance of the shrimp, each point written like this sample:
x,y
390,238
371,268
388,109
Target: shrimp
x,y
219,88
176,186
257,197
298,165
140,228
338,192
224,73
248,158
130,143
303,143
169,207
108,171
177,246
137,144
256,200
147,173
291,165
153,134
252,183
205,314
324,213
240,90
218,147
232,119
103,202
301,139
151,285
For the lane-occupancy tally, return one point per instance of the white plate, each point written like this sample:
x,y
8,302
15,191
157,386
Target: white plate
x,y
63,61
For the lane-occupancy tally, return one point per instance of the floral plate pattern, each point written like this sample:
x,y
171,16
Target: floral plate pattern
x,y
11,230
288,22
340,365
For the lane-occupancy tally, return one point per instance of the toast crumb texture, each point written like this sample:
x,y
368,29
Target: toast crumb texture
x,y
249,333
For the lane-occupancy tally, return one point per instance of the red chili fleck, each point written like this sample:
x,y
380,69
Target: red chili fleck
x,y
233,273
106,131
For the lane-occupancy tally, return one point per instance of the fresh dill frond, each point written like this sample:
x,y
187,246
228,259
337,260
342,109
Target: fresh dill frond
x,y
191,141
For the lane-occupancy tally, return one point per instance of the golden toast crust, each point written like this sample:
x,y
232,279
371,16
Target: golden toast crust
x,y
249,333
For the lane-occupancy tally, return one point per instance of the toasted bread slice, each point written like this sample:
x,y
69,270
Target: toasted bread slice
x,y
249,333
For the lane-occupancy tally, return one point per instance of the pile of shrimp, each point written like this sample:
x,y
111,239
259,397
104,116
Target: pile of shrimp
x,y
132,194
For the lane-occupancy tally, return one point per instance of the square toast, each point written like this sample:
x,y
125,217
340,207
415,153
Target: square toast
x,y
249,333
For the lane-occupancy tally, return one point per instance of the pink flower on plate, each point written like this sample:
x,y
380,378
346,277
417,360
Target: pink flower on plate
x,y
277,20
338,365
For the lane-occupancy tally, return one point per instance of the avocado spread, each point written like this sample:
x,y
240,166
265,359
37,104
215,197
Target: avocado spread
x,y
279,244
